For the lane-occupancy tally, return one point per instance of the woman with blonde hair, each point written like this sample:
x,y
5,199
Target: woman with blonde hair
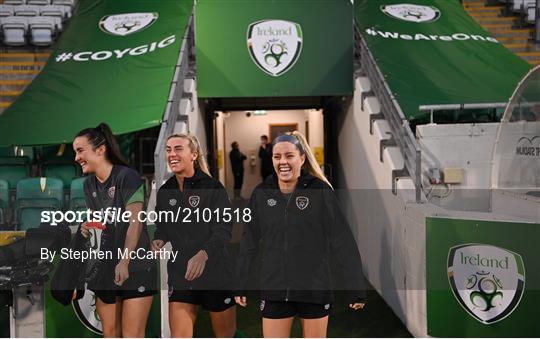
x,y
201,275
298,218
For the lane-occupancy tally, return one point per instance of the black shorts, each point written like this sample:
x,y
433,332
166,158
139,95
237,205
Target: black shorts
x,y
286,309
139,284
213,301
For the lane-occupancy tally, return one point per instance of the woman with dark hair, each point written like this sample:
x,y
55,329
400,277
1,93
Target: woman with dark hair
x,y
124,288
202,275
298,223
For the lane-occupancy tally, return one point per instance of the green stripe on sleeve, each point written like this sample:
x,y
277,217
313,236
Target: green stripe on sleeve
x,y
138,196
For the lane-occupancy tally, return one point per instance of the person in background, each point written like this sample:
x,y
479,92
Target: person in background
x,y
265,154
237,163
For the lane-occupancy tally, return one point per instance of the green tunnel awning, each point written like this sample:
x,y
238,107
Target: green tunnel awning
x,y
432,52
277,48
114,63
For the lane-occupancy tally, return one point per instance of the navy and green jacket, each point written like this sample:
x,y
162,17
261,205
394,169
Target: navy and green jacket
x,y
298,234
200,192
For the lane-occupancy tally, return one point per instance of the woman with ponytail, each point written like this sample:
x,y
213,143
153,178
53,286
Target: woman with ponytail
x,y
298,222
124,288
202,274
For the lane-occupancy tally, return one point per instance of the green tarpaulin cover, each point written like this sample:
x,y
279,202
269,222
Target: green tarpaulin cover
x,y
432,52
114,63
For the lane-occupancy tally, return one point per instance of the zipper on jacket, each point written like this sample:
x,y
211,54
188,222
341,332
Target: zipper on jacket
x,y
286,246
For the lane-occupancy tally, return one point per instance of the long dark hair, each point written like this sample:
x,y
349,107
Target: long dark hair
x,y
102,135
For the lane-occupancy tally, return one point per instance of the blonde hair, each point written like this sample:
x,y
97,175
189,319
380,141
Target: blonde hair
x,y
195,147
311,164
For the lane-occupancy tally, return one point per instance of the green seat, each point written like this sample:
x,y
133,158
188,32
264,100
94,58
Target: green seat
x,y
57,161
4,200
7,151
35,195
61,152
13,169
76,195
63,171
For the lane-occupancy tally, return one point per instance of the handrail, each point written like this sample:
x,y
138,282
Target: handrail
x,y
172,111
443,107
390,109
432,108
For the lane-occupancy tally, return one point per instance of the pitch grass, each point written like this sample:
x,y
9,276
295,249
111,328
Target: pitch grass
x,y
376,320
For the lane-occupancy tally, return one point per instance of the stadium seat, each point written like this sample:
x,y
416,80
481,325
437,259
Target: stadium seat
x,y
522,5
69,3
26,10
76,195
4,200
61,170
42,30
531,13
14,29
14,2
57,161
53,10
35,195
57,13
39,2
13,169
6,10
7,152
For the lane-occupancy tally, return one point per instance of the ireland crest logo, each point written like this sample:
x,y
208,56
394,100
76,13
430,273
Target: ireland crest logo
x,y
302,202
85,309
274,45
487,281
194,200
124,24
412,13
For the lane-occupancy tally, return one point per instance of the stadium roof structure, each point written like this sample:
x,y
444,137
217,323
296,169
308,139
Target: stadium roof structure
x,y
433,53
115,62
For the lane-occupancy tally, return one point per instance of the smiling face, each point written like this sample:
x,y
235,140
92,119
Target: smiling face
x,y
180,157
86,156
287,161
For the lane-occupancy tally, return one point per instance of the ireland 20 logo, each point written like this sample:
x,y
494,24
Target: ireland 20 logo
x,y
412,13
274,45
487,281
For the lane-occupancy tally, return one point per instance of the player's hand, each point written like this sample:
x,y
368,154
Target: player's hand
x,y
157,245
195,266
242,301
121,273
85,229
357,306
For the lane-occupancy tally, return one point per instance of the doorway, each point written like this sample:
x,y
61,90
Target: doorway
x,y
246,128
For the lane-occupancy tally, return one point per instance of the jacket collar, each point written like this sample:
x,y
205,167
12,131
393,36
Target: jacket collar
x,y
304,180
199,176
